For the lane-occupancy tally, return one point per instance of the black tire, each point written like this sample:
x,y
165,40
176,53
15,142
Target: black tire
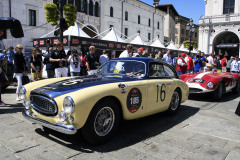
x,y
237,88
218,93
95,131
175,103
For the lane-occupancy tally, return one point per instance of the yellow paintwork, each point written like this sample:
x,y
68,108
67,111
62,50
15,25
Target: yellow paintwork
x,y
86,98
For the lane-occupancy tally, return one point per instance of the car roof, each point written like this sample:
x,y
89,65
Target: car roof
x,y
144,59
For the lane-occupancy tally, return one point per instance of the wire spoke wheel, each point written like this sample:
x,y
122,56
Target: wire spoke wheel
x,y
174,101
104,121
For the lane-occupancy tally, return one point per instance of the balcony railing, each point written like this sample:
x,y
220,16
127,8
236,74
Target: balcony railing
x,y
219,19
84,18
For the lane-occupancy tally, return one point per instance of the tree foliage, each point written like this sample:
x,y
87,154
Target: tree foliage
x,y
53,14
70,12
194,44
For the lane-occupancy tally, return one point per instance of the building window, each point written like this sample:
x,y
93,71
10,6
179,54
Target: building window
x,y
126,33
138,32
96,9
158,36
158,25
176,40
126,16
78,5
111,11
149,37
182,40
195,34
228,6
84,6
32,17
176,30
111,26
149,22
70,1
182,31
91,7
139,19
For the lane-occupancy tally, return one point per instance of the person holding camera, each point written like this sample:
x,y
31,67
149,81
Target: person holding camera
x,y
75,61
198,62
36,65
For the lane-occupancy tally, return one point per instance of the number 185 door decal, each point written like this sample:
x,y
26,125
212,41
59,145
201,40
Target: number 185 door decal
x,y
134,100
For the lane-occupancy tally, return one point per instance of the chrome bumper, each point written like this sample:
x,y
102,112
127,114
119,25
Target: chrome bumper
x,y
63,128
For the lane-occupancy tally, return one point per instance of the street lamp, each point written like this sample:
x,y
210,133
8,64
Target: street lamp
x,y
155,2
191,29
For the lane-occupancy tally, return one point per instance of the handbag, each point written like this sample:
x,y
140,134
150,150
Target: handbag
x,y
25,79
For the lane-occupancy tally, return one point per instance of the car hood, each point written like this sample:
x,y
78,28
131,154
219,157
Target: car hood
x,y
73,84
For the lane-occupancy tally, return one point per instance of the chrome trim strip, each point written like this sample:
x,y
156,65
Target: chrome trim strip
x,y
63,128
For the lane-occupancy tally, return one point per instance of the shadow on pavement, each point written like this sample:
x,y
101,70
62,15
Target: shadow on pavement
x,y
129,132
207,97
11,108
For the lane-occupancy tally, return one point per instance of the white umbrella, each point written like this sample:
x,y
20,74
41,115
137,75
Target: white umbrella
x,y
75,31
112,36
157,43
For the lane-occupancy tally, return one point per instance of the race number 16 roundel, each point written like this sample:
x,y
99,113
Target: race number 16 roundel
x,y
134,100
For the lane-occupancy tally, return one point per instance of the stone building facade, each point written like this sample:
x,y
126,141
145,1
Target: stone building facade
x,y
219,29
94,16
181,34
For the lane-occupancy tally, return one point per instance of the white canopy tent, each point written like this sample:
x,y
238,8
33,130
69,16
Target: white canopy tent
x,y
194,51
157,43
182,48
172,46
112,36
138,40
75,31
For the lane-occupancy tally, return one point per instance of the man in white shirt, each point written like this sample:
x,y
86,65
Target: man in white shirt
x,y
104,57
235,66
210,59
129,49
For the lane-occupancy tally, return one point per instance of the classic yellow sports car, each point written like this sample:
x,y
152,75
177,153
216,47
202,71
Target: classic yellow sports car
x,y
124,88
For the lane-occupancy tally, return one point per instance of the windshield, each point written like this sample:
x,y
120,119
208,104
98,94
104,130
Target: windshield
x,y
124,67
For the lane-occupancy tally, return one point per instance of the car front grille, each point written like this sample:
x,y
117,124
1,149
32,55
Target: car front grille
x,y
43,105
195,90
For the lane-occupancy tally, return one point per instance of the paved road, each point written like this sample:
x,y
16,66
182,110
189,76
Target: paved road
x,y
203,129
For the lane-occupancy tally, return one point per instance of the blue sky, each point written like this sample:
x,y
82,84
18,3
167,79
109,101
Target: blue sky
x,y
188,8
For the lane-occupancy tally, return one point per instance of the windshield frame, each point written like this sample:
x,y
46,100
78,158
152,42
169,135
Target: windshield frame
x,y
124,75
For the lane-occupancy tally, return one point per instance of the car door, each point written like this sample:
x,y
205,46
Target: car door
x,y
160,87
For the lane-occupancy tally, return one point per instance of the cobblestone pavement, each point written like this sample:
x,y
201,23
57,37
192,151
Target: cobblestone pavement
x,y
203,129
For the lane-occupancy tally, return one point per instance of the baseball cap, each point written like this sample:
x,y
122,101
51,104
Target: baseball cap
x,y
2,56
183,54
140,49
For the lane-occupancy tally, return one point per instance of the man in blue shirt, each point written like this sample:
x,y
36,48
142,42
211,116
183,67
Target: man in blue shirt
x,y
10,54
167,57
197,61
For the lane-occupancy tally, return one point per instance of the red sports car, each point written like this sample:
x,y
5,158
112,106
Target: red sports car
x,y
217,83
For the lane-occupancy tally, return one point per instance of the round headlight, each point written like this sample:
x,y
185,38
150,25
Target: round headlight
x,y
63,116
27,105
210,84
22,94
68,105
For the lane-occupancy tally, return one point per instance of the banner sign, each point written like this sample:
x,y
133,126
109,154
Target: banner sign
x,y
227,46
43,42
98,43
